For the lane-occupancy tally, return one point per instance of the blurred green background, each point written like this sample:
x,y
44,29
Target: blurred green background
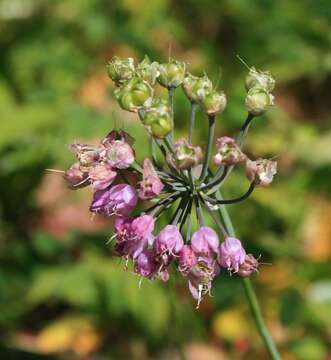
x,y
62,294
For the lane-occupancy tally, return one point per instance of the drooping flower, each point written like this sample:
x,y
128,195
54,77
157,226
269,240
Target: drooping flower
x,y
186,155
205,241
228,152
145,265
101,176
75,177
249,266
261,171
119,154
119,199
231,254
151,185
186,259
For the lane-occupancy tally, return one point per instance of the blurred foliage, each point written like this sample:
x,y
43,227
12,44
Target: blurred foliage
x,y
61,291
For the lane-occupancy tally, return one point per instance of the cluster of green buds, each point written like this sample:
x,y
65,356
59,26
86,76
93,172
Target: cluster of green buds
x,y
259,85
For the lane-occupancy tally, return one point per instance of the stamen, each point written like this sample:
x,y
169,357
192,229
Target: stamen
x,y
55,171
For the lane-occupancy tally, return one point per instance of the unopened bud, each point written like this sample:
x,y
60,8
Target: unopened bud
x,y
172,73
213,102
157,118
186,155
134,94
228,152
148,70
261,171
258,101
195,87
120,70
261,79
249,266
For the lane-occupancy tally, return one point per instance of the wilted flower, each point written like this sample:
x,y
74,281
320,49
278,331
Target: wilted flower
x,y
151,185
148,70
120,70
119,199
87,155
172,73
134,94
258,101
186,259
101,176
213,102
228,152
231,254
205,241
261,171
186,155
249,266
119,154
195,87
157,118
75,177
261,79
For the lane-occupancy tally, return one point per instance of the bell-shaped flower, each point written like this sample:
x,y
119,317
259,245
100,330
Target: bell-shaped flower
x,y
151,185
119,199
228,152
205,241
187,259
119,154
231,254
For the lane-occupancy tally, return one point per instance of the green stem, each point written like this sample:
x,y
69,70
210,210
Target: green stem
x,y
250,294
192,121
211,130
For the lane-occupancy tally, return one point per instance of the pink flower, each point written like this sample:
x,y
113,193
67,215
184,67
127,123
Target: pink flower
x,y
205,241
119,199
151,185
87,155
145,265
75,177
231,254
186,260
186,156
119,154
101,176
133,234
261,171
228,152
249,266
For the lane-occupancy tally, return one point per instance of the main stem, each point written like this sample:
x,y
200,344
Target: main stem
x,y
211,129
250,294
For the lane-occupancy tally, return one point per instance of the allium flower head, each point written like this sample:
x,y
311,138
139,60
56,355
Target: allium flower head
x,y
231,254
261,171
151,185
228,152
119,199
205,241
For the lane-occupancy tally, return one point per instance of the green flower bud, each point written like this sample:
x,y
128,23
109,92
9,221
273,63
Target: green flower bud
x,y
134,94
213,102
157,118
258,101
196,86
171,73
261,79
148,70
120,70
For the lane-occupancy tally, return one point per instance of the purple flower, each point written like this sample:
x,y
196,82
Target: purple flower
x,y
151,185
201,277
231,254
75,177
169,240
205,241
119,154
228,152
249,266
186,260
133,234
119,199
145,265
101,175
